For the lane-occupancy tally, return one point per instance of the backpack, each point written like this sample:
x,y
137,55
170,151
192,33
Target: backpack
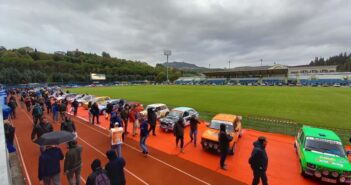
x,y
38,111
102,179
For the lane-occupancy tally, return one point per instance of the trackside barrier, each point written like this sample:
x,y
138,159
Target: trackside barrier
x,y
5,170
286,127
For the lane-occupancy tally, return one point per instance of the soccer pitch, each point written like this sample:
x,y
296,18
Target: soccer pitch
x,y
317,106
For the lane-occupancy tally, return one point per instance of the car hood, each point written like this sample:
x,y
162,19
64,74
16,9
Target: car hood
x,y
169,119
211,134
327,160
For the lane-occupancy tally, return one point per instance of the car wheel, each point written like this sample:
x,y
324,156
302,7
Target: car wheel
x,y
232,151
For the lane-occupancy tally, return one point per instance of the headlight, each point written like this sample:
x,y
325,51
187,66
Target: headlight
x,y
318,174
215,146
325,172
210,145
342,179
335,174
311,166
205,143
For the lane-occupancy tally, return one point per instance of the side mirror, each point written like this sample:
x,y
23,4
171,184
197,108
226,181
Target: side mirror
x,y
348,152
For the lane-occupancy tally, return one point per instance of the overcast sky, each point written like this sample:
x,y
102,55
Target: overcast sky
x,y
202,32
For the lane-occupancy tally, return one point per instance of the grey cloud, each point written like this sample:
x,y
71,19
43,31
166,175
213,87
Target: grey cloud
x,y
199,31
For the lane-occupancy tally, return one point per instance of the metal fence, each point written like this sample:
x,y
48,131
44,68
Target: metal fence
x,y
286,127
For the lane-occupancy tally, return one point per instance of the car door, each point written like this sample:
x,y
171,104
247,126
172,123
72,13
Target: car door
x,y
299,143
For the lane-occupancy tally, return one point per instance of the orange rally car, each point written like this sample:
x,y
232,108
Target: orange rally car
x,y
209,139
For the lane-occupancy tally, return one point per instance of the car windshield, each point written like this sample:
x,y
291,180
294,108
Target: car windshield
x,y
325,146
175,113
215,124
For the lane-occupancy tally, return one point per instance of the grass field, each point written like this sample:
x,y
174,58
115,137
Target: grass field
x,y
327,107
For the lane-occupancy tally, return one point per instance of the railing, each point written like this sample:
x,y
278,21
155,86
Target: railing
x,y
5,170
286,127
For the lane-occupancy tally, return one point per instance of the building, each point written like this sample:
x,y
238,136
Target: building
x,y
60,53
280,74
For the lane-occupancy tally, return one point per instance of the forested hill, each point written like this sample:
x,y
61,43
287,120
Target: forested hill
x,y
26,65
343,61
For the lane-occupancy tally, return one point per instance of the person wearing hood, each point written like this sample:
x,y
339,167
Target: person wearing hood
x,y
224,139
73,162
152,118
178,131
49,165
115,168
97,174
259,161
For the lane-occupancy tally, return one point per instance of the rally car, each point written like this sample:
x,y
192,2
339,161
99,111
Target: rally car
x,y
161,110
167,123
209,139
322,155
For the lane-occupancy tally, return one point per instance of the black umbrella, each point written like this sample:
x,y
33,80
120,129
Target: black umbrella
x,y
55,138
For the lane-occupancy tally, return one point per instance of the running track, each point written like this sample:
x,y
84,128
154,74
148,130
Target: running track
x,y
158,168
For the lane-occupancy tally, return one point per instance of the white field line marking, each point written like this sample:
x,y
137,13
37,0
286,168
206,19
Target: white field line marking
x,y
97,150
24,164
25,113
165,163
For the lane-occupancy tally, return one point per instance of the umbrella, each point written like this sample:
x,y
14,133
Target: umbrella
x,y
55,138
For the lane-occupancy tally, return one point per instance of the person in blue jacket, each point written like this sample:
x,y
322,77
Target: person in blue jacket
x,y
49,165
143,135
115,168
55,111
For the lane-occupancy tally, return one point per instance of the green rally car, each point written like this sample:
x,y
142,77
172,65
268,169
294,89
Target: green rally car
x,y
322,155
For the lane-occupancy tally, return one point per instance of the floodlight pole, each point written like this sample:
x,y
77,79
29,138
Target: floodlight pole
x,y
229,64
261,61
167,53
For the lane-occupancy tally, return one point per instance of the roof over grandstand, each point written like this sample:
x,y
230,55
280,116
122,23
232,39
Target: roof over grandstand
x,y
275,69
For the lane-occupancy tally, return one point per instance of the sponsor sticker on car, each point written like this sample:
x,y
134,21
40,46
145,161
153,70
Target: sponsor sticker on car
x,y
325,179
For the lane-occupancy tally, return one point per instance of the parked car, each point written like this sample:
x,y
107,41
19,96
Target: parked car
x,y
167,123
114,102
337,85
70,96
99,100
161,110
209,139
85,100
322,155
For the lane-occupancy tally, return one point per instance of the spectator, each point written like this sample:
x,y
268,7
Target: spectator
x,y
95,112
68,125
133,117
143,135
224,140
125,117
178,131
39,129
73,163
115,168
13,104
98,176
193,129
55,111
27,101
63,109
49,165
109,109
259,161
37,113
48,105
9,136
152,118
89,112
75,106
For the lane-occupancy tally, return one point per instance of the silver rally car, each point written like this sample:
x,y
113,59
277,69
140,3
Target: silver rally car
x,y
167,123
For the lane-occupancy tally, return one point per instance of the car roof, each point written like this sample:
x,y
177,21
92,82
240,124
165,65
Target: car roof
x,y
183,109
156,105
320,133
225,117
